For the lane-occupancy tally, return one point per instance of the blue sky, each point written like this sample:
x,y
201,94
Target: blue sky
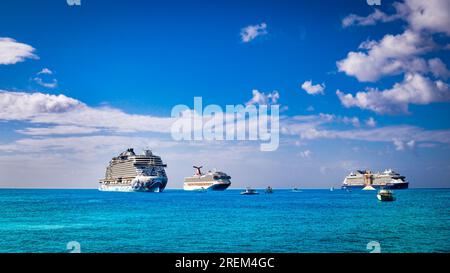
x,y
142,58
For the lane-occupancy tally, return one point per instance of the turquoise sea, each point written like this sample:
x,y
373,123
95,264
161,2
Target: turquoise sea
x,y
178,221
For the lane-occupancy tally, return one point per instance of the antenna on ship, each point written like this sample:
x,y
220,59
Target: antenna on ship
x,y
199,171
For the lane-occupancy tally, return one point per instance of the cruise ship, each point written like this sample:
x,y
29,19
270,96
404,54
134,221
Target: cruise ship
x,y
130,172
388,179
212,180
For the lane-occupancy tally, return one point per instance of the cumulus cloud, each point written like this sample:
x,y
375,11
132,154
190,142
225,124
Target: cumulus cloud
x,y
394,54
354,121
415,89
313,89
65,111
438,68
430,15
12,52
250,32
24,106
400,54
45,71
260,98
371,122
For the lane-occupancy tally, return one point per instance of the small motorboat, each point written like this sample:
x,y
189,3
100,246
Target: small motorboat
x,y
332,189
296,190
269,189
249,191
386,195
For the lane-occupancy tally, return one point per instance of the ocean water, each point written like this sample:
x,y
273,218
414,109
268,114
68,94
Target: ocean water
x,y
179,221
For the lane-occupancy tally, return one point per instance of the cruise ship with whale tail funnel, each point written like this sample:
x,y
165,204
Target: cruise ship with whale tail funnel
x,y
388,179
129,172
212,180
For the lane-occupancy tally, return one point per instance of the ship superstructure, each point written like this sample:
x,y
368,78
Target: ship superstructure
x,y
135,172
388,179
212,180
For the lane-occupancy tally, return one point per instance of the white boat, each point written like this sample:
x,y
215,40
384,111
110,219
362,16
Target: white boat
x,y
386,195
249,191
212,180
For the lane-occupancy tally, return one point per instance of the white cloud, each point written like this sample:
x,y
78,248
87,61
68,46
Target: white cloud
x,y
371,122
24,106
354,121
12,52
400,54
306,154
264,99
430,15
403,145
61,110
312,127
371,19
52,84
313,89
38,79
394,54
82,145
415,89
58,130
249,33
438,68
45,71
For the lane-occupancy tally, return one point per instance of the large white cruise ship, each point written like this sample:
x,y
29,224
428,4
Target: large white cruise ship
x,y
388,179
131,172
212,180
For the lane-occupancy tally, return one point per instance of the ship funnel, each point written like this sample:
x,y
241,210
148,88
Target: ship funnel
x,y
199,171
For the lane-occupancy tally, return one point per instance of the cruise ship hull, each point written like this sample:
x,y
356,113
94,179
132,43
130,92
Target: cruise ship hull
x,y
396,186
151,185
213,186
